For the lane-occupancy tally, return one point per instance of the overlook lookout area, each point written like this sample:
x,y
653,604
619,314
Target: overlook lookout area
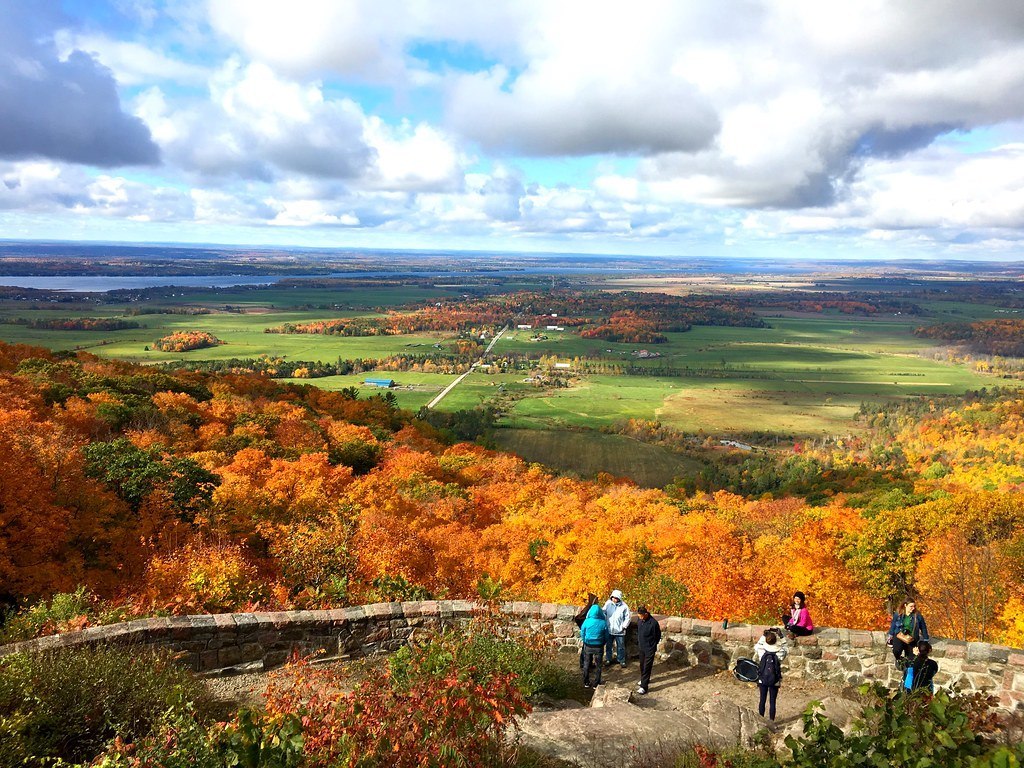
x,y
837,656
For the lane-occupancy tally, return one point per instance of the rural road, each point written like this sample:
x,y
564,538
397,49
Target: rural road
x,y
444,392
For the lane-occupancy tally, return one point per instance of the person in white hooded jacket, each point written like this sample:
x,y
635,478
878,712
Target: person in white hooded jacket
x,y
769,671
618,615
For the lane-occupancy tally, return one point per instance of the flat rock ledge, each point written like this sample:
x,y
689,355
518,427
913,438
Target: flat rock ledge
x,y
614,725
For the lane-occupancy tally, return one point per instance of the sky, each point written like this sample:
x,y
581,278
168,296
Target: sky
x,y
779,129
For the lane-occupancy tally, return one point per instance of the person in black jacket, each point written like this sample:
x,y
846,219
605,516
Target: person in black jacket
x,y
921,673
648,637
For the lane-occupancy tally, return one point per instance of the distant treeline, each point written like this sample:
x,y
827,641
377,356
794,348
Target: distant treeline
x,y
986,337
74,323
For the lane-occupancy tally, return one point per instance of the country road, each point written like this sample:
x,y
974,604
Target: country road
x,y
444,392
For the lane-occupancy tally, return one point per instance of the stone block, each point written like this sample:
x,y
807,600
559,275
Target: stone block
x,y
1016,682
565,629
207,660
1015,659
742,634
272,659
549,611
978,651
861,639
671,624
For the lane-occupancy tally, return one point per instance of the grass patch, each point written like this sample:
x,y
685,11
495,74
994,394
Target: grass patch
x,y
587,453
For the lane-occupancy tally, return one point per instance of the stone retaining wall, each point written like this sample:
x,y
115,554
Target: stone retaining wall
x,y
212,642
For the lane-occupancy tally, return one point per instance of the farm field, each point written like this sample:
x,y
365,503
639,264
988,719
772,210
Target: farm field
x,y
802,375
588,453
243,336
414,390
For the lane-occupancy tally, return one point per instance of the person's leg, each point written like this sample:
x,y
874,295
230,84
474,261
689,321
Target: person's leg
x,y
583,652
621,650
898,647
763,689
800,631
646,667
773,695
585,659
597,665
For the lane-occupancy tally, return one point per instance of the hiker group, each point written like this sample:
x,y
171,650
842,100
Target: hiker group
x,y
603,636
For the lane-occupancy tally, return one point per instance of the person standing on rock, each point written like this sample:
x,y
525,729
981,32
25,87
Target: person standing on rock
x,y
581,616
770,650
618,615
593,636
648,636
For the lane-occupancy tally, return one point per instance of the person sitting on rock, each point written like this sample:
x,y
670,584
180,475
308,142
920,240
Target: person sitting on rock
x,y
648,637
921,673
593,635
770,650
798,621
618,615
906,630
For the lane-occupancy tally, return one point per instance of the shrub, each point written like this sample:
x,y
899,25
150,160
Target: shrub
x,y
437,717
250,740
70,703
65,611
203,578
486,649
904,730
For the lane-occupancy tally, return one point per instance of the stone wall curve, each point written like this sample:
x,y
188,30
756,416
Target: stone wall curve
x,y
243,640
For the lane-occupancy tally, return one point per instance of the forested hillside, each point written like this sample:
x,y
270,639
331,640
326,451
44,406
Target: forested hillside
x,y
187,492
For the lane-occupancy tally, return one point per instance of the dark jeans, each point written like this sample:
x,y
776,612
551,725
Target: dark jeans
x,y
799,631
771,693
899,648
592,659
646,665
616,649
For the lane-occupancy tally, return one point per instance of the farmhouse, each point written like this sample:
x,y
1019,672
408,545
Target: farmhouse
x,y
385,383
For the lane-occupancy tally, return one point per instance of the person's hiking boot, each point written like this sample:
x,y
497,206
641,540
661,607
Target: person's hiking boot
x,y
641,691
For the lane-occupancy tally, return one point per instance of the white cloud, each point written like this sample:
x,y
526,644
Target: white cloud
x,y
132,63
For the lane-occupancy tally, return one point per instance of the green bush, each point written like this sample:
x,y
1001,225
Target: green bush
x,y
488,654
250,740
47,616
70,703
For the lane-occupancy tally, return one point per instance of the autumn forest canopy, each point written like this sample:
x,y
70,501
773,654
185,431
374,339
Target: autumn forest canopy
x,y
188,491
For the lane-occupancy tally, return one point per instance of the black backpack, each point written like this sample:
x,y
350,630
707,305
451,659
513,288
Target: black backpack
x,y
768,670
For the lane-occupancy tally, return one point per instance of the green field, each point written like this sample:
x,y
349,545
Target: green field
x,y
803,375
414,390
587,453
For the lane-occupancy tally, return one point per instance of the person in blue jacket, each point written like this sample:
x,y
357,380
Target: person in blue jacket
x,y
906,630
594,634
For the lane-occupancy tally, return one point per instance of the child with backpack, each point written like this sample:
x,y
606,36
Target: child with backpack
x,y
770,650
